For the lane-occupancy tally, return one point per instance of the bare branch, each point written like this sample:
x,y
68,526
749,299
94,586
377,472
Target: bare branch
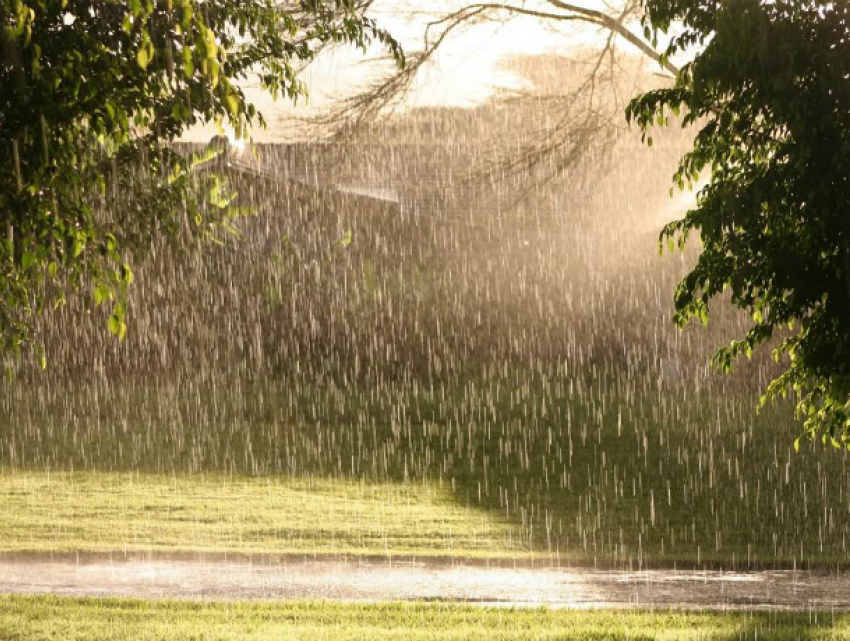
x,y
617,26
566,125
355,112
352,114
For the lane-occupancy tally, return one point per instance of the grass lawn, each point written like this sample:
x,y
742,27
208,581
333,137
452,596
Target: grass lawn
x,y
556,472
42,618
149,513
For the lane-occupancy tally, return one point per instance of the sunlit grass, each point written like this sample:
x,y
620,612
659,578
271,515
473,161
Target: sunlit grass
x,y
149,513
38,618
561,470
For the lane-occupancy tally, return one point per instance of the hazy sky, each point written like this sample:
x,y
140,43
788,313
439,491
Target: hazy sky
x,y
465,73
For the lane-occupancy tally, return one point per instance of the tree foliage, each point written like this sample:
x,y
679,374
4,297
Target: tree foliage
x,y
91,94
768,89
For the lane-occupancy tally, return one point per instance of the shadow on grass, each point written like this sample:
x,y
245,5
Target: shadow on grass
x,y
583,474
786,627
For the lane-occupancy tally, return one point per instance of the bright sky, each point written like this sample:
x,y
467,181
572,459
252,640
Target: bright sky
x,y
465,73
466,70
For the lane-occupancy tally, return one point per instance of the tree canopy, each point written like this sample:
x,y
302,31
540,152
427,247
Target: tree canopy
x,y
91,94
768,90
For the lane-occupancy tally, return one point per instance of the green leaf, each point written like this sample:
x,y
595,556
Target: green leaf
x,y
188,64
102,293
126,274
188,13
232,105
142,58
114,325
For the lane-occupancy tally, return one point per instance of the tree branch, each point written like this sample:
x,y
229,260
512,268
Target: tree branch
x,y
617,27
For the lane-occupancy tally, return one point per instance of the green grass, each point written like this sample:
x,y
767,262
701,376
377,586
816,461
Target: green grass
x,y
43,618
571,471
214,513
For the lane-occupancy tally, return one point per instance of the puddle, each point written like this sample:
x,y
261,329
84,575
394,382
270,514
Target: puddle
x,y
378,581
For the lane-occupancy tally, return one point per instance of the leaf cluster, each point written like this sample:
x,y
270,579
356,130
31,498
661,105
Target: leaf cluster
x,y
768,90
91,94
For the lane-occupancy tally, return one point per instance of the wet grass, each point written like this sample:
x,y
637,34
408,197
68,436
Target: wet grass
x,y
510,388
137,514
40,618
572,471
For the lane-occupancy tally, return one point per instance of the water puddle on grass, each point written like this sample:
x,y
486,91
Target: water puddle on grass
x,y
384,581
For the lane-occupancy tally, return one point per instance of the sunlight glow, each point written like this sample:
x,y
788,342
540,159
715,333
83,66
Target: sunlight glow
x,y
236,143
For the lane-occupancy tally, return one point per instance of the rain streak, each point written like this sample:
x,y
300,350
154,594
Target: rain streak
x,y
415,314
